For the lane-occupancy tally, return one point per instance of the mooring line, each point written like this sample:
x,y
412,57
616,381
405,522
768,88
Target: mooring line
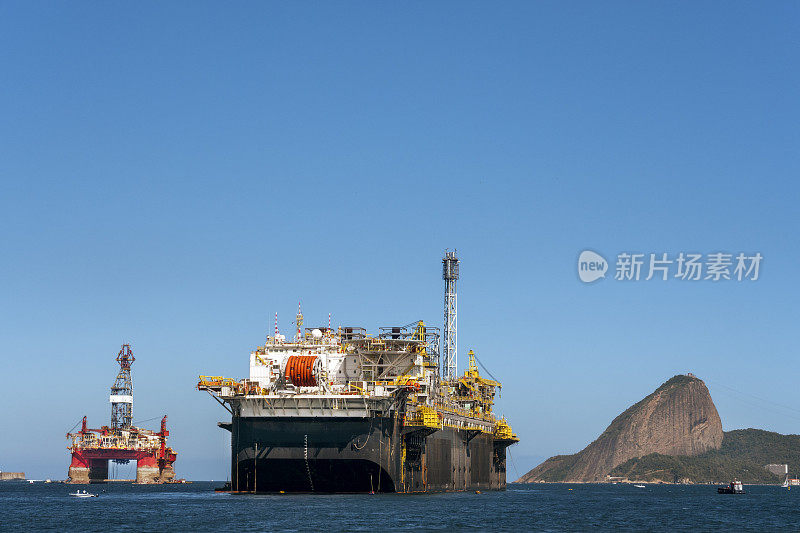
x,y
308,469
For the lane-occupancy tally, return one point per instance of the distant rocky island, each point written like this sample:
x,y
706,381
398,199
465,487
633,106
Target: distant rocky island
x,y
674,435
11,476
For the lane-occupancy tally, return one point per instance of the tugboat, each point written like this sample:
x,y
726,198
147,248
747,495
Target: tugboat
x,y
734,488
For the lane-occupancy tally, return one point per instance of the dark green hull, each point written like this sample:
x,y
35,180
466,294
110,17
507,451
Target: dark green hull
x,y
329,455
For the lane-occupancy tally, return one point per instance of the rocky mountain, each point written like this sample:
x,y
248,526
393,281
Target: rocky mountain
x,y
678,419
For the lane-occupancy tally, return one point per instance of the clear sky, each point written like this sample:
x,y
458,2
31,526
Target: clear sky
x,y
172,174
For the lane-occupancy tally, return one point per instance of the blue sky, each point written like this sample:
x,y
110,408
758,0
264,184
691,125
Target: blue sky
x,y
174,174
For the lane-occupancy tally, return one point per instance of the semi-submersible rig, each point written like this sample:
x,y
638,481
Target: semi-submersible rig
x,y
121,442
344,411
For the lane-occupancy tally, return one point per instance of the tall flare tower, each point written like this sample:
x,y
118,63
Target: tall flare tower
x,y
449,340
122,391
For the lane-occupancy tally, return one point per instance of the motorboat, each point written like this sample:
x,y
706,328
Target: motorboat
x,y
83,494
735,487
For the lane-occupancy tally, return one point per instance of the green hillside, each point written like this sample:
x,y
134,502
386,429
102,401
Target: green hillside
x,y
743,455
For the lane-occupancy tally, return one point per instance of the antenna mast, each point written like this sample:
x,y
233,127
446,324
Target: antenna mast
x,y
299,321
449,340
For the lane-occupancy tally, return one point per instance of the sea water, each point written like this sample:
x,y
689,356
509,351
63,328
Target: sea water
x,y
534,507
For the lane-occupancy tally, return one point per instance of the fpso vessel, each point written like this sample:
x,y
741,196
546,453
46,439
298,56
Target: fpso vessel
x,y
344,411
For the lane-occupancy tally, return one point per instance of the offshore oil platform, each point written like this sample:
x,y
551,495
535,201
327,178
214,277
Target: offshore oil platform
x,y
343,411
121,442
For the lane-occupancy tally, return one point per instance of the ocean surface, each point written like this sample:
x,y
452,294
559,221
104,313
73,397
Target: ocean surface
x,y
196,507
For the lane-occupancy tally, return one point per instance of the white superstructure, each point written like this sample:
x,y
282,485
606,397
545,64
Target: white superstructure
x,y
344,362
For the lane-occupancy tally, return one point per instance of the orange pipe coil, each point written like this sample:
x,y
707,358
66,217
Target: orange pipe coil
x,y
299,370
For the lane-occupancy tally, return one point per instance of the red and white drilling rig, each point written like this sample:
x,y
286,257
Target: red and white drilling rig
x,y
121,442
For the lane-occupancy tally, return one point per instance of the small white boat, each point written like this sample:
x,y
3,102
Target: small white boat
x,y
640,486
83,494
786,482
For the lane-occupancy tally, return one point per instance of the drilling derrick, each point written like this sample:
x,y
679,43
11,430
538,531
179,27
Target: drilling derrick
x,y
122,391
449,339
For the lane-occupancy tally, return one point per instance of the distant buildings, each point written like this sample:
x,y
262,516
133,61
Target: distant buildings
x,y
783,472
779,470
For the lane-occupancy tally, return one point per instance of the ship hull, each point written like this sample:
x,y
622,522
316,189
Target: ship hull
x,y
351,455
